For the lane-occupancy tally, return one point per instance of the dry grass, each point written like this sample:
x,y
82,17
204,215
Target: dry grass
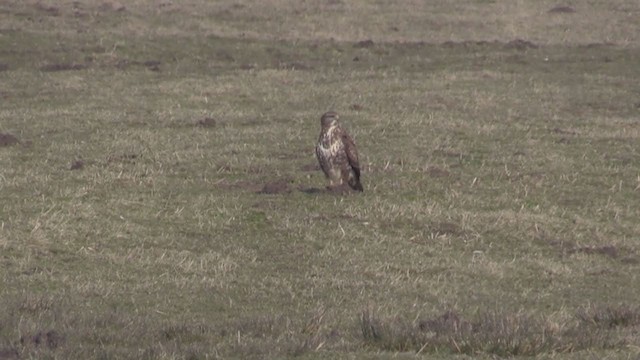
x,y
611,316
159,196
545,22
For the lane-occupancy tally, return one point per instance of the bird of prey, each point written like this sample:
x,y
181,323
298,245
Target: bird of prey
x,y
337,154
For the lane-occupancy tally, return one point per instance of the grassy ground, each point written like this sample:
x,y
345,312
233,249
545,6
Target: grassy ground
x,y
159,195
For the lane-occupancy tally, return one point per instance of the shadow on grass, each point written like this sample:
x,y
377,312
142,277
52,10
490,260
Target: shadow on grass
x,y
312,190
337,190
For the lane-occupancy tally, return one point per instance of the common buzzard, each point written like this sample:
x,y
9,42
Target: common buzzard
x,y
337,154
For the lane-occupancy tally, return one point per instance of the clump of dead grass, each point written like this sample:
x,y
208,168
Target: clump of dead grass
x,y
610,316
495,333
277,334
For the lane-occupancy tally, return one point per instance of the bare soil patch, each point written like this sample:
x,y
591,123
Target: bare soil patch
x,y
520,44
49,339
238,185
364,44
8,140
564,131
436,172
206,122
562,9
50,10
281,186
153,65
446,322
122,158
447,228
312,190
112,6
607,250
517,44
569,247
76,165
310,167
330,190
62,67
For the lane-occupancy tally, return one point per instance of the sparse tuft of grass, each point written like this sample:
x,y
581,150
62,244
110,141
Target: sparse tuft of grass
x,y
610,316
493,333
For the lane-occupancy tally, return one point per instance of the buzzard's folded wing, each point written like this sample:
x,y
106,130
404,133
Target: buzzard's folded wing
x,y
352,153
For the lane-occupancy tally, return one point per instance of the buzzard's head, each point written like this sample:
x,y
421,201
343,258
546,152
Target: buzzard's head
x,y
329,119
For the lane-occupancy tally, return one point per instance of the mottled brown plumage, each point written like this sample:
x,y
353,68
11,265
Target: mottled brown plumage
x,y
337,154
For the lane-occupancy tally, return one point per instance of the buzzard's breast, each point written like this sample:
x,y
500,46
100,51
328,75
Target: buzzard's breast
x,y
329,151
323,151
330,148
329,144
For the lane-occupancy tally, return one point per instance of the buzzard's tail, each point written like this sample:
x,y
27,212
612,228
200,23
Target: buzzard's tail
x,y
354,179
355,184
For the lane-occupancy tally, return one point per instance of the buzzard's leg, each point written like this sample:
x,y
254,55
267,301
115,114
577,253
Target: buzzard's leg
x,y
334,179
334,184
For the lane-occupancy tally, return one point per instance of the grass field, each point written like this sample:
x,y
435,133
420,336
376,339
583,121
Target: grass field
x,y
160,198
